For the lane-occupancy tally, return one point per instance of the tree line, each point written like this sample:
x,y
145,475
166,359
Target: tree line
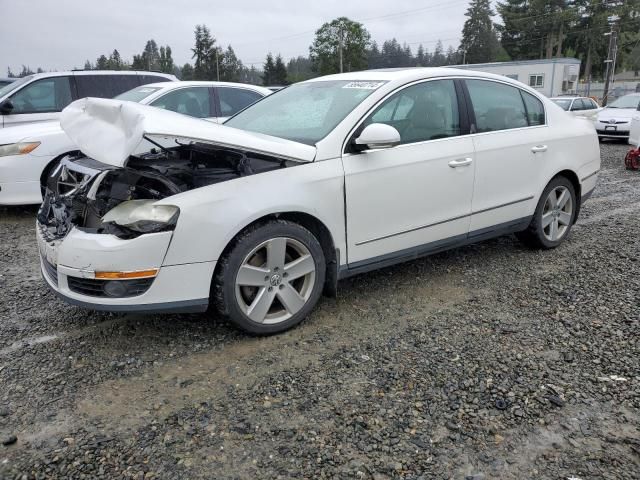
x,y
527,29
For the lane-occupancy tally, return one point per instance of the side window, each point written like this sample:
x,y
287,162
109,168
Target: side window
x,y
594,105
188,101
577,105
46,95
99,86
535,109
426,111
232,100
123,83
496,106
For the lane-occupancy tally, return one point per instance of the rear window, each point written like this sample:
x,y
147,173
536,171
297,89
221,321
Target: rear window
x,y
144,79
105,86
232,100
137,94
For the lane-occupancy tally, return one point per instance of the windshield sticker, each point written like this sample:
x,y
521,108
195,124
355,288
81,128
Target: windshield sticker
x,y
147,90
364,85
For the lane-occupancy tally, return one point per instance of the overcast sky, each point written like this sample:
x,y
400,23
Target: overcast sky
x,y
62,34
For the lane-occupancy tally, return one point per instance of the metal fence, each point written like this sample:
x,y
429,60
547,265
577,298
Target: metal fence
x,y
616,90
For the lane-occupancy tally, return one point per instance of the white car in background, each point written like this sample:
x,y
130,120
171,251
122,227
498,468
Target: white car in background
x,y
578,106
326,179
29,152
42,96
614,120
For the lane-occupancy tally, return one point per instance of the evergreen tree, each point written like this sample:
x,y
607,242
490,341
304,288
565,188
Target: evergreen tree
x,y
299,69
438,59
269,71
422,57
166,60
280,72
479,38
102,63
115,61
87,65
186,73
230,66
204,53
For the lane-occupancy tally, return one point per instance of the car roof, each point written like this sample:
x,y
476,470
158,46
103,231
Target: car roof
x,y
405,75
36,76
204,83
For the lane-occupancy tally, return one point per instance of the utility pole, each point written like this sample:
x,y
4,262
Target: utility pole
x,y
340,40
217,66
464,57
610,61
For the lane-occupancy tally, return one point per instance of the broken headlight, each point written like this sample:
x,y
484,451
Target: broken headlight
x,y
143,216
20,148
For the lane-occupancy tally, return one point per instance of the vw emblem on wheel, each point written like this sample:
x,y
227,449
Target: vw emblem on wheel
x,y
275,280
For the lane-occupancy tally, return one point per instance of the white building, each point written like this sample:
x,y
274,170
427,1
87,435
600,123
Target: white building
x,y
552,77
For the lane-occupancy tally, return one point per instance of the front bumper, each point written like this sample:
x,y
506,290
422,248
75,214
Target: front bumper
x,y
608,130
73,261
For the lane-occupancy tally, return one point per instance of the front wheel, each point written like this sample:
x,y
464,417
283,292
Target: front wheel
x,y
554,216
271,278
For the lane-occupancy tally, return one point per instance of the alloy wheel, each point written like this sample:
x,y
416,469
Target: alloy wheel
x,y
275,280
557,213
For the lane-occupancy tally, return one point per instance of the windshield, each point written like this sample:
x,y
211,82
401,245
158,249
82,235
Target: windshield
x,y
628,101
563,103
12,86
305,112
137,94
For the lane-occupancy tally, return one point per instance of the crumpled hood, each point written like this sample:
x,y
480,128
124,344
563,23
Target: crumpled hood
x,y
111,130
607,114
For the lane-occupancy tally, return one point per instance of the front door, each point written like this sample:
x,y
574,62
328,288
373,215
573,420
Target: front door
x,y
417,195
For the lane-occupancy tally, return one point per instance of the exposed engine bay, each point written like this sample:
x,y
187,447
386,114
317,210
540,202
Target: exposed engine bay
x,y
80,191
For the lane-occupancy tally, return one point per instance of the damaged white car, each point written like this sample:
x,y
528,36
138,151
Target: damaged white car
x,y
325,179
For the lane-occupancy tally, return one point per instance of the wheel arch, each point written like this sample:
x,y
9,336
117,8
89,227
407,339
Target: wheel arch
x,y
49,166
577,186
311,223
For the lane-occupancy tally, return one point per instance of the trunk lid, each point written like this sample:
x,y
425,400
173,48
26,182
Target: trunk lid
x,y
111,130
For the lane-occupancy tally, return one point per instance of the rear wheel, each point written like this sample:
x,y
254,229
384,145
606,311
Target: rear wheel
x,y
271,279
553,217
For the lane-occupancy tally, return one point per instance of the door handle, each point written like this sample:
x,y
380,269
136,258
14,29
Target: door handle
x,y
461,162
539,149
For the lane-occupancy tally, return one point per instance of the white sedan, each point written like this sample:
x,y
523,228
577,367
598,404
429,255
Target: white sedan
x,y
578,106
29,152
326,179
614,120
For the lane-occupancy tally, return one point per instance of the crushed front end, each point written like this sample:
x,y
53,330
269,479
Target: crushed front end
x,y
103,235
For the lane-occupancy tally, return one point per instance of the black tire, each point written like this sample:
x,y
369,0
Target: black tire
x,y
534,235
224,296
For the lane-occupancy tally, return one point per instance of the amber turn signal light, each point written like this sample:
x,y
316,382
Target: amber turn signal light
x,y
126,275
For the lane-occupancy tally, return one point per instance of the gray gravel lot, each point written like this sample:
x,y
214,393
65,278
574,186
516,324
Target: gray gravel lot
x,y
490,361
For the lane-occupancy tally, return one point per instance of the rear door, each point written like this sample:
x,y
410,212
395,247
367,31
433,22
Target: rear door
x,y
230,100
511,146
39,101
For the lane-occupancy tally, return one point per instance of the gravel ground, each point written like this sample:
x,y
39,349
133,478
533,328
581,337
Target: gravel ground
x,y
490,361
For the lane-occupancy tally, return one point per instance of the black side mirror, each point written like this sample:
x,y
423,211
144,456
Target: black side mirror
x,y
6,107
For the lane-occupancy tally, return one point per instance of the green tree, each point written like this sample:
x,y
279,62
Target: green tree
x,y
280,72
269,71
438,58
87,65
166,60
332,38
102,63
230,66
186,72
115,61
299,69
204,54
479,39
